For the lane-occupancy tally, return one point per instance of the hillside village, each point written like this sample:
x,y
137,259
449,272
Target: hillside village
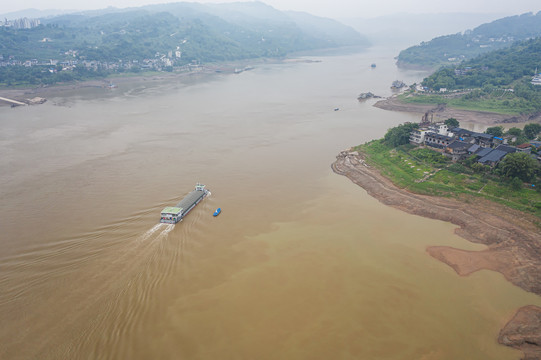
x,y
71,58
459,144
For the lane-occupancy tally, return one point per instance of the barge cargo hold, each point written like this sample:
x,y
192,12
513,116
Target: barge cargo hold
x,y
173,214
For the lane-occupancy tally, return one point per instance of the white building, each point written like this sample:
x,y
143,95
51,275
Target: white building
x,y
439,128
417,136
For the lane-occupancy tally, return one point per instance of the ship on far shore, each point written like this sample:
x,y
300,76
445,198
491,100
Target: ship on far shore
x,y
367,95
397,84
239,70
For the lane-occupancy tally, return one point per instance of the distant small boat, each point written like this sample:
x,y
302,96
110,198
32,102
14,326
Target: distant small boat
x,y
217,212
336,109
373,65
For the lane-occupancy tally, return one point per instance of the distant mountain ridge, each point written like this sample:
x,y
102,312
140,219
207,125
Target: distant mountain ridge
x,y
404,29
189,31
452,49
34,13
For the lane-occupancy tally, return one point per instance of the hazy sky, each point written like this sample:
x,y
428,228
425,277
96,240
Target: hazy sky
x,y
326,8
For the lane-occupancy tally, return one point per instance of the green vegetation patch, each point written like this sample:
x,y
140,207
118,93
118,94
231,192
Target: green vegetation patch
x,y
489,103
428,172
422,99
498,81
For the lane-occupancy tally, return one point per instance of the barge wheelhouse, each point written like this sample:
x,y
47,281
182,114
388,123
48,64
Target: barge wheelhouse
x,y
171,215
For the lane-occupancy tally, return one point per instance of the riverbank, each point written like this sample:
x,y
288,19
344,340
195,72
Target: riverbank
x,y
22,94
442,113
512,238
44,91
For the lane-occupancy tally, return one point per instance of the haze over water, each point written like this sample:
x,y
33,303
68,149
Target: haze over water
x,y
301,264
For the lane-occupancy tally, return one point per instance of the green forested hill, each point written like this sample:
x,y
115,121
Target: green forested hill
x,y
452,49
201,32
500,68
164,36
498,81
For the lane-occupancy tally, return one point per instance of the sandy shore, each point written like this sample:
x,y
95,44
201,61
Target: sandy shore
x,y
513,240
463,116
45,92
24,94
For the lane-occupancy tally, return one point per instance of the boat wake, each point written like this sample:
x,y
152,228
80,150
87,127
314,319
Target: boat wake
x,y
160,229
150,232
166,231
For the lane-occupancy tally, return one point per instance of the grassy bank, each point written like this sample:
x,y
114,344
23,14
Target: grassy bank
x,y
504,104
425,171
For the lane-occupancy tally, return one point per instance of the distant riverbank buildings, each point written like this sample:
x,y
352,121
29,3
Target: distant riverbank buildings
x,y
23,23
536,80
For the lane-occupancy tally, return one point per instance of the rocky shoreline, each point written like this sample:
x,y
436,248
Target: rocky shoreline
x,y
523,332
513,240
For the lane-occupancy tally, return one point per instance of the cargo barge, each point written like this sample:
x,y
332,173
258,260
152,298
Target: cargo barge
x,y
173,214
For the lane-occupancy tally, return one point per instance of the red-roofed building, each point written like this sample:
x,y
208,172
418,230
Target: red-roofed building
x,y
527,148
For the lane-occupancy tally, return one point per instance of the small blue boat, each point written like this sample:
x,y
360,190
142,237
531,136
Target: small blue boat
x,y
217,212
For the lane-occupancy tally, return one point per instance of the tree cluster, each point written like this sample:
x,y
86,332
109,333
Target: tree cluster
x,y
519,165
400,134
452,123
41,75
530,132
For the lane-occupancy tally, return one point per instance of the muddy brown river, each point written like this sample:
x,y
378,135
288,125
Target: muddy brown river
x,y
301,263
